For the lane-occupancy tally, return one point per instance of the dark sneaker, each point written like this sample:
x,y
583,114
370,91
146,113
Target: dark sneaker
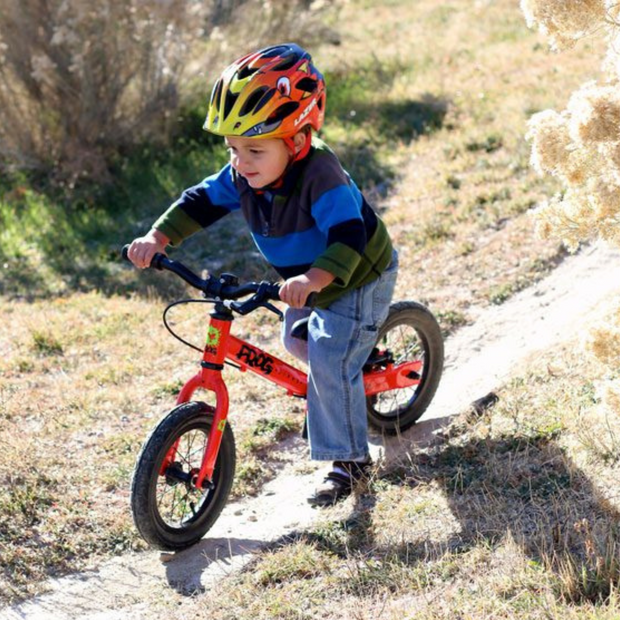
x,y
340,482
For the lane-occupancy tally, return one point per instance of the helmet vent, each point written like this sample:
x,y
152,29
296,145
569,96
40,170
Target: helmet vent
x,y
229,102
216,94
274,51
252,101
306,84
265,99
285,110
286,63
246,72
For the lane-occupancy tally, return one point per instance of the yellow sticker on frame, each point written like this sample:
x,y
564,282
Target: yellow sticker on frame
x,y
213,336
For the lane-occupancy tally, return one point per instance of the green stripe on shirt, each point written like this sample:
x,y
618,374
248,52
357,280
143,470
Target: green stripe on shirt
x,y
370,265
176,225
340,260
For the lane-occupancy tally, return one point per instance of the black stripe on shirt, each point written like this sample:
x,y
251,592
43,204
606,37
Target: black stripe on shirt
x,y
196,204
292,270
351,233
370,219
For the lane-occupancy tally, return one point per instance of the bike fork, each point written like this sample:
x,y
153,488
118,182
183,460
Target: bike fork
x,y
209,378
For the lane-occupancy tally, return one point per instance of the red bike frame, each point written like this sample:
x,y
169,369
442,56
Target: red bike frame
x,y
222,345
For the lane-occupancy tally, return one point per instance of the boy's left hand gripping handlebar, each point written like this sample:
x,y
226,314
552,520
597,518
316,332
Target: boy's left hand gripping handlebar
x,y
156,261
161,262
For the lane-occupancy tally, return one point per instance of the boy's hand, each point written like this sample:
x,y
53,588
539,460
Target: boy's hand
x,y
142,249
295,290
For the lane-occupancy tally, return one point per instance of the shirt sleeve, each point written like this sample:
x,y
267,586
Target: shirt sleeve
x,y
338,215
200,206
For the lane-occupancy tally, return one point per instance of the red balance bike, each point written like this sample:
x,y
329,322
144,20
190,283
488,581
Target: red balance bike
x,y
184,472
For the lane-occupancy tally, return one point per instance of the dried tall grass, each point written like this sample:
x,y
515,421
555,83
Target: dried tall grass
x,y
79,80
581,146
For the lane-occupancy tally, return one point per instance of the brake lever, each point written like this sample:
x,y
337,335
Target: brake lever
x,y
245,307
265,291
241,307
273,309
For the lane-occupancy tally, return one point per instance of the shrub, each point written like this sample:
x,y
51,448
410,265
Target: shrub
x,y
80,79
581,146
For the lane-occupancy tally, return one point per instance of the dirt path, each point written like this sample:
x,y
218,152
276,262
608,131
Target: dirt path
x,y
479,358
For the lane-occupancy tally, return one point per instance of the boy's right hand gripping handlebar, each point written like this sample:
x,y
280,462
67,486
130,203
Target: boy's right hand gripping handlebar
x,y
224,287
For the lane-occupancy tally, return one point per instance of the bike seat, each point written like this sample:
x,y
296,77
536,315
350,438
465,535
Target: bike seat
x,y
300,329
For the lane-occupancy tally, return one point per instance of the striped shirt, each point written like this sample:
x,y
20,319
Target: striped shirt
x,y
316,217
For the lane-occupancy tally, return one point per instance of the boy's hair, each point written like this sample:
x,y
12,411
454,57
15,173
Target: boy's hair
x,y
272,93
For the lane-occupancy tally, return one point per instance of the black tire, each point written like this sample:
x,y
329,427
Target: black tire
x,y
169,513
411,333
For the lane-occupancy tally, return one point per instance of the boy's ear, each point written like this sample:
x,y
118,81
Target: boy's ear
x,y
299,140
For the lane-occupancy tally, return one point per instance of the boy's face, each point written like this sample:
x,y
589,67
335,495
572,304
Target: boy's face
x,y
260,161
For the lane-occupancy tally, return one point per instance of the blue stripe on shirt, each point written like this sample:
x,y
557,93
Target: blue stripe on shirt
x,y
221,189
336,206
292,249
211,199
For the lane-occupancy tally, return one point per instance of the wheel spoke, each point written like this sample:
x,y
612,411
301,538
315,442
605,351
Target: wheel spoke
x,y
410,334
179,502
405,345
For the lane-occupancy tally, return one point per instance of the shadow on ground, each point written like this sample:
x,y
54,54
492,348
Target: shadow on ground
x,y
520,486
185,569
372,128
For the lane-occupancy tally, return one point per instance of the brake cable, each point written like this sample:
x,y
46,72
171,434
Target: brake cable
x,y
178,303
172,332
255,302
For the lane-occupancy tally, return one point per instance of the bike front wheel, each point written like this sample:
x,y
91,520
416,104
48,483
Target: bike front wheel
x,y
410,333
169,511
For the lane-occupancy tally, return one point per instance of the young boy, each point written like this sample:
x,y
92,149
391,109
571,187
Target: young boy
x,y
312,224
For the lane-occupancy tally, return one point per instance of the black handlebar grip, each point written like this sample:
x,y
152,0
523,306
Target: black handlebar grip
x,y
311,300
272,290
156,261
274,293
125,252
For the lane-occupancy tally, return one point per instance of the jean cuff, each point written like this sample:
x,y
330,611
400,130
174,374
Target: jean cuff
x,y
338,456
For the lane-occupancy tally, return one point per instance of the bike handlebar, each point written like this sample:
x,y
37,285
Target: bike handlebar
x,y
223,287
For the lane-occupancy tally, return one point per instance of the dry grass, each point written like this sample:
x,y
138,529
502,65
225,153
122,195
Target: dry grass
x,y
509,515
512,516
78,83
79,390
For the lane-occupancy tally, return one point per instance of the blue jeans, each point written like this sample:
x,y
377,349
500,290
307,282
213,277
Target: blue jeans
x,y
340,339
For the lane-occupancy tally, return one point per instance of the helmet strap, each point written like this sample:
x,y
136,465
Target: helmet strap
x,y
305,149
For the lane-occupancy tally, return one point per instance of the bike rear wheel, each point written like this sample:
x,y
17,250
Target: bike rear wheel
x,y
410,333
169,511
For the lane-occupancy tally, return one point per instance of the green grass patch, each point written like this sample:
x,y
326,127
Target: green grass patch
x,y
168,389
256,448
46,344
55,239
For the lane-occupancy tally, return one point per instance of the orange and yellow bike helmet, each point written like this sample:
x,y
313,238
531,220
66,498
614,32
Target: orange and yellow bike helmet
x,y
272,93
